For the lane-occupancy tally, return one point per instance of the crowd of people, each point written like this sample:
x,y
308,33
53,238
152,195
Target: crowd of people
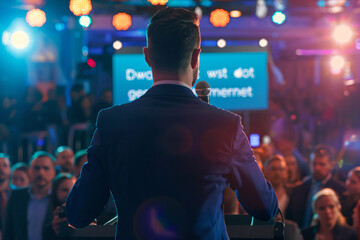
x,y
32,195
44,121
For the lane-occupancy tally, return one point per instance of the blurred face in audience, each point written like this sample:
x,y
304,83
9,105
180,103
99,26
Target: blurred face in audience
x,y
64,189
20,179
276,172
353,184
328,211
4,169
321,166
292,166
42,172
65,160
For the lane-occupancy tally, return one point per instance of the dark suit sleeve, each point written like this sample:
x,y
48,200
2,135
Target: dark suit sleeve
x,y
91,191
255,194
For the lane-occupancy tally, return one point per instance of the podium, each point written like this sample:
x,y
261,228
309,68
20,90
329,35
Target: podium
x,y
239,227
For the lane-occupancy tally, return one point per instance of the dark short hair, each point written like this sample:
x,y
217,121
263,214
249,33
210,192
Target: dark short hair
x,y
79,154
172,36
20,166
39,154
322,150
61,149
4,155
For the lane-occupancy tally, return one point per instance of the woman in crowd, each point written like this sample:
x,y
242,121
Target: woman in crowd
x,y
62,185
328,222
352,196
20,177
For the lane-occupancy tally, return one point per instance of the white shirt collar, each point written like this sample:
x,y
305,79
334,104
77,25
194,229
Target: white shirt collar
x,y
173,82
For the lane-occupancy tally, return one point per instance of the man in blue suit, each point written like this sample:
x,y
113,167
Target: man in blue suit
x,y
167,157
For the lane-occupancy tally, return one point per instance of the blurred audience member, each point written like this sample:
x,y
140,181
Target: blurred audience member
x,y
105,102
4,186
328,222
322,164
351,197
61,186
259,157
20,176
32,110
80,159
230,204
294,177
64,159
285,143
29,210
276,173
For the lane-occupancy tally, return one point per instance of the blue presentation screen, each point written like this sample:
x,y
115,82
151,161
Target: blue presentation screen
x,y
238,80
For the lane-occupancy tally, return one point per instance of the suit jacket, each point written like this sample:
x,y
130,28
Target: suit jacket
x,y
167,158
16,216
299,199
340,233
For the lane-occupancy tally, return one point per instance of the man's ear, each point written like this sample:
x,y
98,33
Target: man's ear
x,y
195,58
147,57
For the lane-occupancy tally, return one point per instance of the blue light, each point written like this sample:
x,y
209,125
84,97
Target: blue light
x,y
206,3
278,18
321,3
59,26
255,140
85,21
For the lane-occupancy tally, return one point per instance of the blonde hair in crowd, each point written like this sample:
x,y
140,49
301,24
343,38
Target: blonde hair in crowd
x,y
328,192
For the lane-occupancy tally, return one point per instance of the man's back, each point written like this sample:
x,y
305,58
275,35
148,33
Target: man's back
x,y
167,157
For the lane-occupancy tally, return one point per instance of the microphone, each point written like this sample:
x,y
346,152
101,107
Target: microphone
x,y
202,89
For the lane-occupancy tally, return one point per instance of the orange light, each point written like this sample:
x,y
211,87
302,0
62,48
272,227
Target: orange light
x,y
80,7
122,21
219,18
36,17
158,2
235,14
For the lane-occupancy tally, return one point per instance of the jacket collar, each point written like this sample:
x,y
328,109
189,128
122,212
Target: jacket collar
x,y
170,90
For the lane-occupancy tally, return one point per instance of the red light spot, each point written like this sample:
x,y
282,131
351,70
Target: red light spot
x,y
91,63
293,117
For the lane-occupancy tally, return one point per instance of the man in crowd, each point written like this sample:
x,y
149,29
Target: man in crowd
x,y
167,156
321,165
28,211
64,159
5,171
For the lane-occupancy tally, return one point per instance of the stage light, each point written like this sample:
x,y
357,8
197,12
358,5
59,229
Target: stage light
x,y
261,9
91,62
117,45
221,43
121,21
342,34
59,27
254,140
278,18
19,40
219,18
80,7
263,42
198,11
6,38
235,14
35,17
85,21
158,2
337,63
